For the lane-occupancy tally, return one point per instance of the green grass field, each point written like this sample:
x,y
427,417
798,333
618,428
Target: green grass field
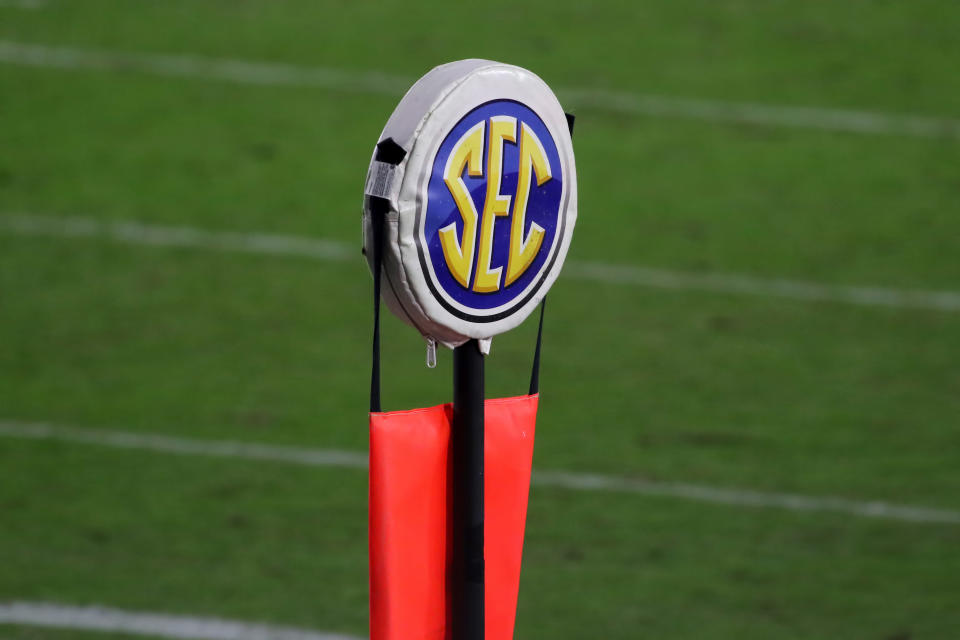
x,y
753,392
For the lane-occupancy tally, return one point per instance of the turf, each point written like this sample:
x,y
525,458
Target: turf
x,y
281,544
722,390
13,632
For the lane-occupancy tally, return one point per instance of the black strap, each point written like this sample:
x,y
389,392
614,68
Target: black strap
x,y
377,220
535,373
389,152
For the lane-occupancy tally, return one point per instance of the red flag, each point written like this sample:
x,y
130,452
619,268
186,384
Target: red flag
x,y
411,517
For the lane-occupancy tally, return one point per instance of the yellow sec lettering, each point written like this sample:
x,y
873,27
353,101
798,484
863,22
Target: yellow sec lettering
x,y
467,153
501,128
524,250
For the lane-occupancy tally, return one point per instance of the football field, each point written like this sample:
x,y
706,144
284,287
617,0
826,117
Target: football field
x,y
750,399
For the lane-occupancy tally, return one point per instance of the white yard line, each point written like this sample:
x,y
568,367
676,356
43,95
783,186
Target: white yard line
x,y
166,236
555,479
185,446
267,73
139,233
770,287
846,120
148,623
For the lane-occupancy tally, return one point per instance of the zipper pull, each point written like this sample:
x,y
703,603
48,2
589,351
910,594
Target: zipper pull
x,y
431,353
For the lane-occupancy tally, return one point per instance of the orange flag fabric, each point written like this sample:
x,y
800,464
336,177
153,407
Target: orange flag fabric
x,y
411,513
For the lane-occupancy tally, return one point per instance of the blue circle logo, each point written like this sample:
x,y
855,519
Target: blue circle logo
x,y
493,219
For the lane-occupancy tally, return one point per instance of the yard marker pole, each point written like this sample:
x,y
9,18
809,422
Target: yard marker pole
x,y
468,425
465,127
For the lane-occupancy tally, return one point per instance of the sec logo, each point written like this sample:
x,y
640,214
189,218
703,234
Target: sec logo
x,y
493,211
472,189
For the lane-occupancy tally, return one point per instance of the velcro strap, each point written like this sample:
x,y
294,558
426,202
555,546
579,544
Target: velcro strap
x,y
380,180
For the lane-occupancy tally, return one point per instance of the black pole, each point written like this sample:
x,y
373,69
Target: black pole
x,y
468,575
